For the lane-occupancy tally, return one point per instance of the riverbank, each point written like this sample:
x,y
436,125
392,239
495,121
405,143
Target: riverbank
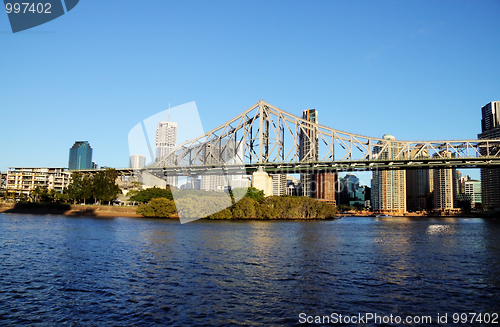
x,y
130,211
477,214
69,210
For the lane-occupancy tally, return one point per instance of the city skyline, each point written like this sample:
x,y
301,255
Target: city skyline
x,y
403,61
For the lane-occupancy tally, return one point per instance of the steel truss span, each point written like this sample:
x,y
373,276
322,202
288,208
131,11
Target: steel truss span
x,y
268,137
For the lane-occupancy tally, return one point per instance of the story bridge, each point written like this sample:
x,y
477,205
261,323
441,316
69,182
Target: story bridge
x,y
267,138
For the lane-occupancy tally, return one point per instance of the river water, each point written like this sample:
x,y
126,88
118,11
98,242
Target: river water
x,y
59,271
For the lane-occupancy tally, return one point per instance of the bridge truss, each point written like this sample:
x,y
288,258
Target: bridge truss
x,y
269,138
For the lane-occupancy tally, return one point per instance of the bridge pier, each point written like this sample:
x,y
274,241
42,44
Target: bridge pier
x,y
262,181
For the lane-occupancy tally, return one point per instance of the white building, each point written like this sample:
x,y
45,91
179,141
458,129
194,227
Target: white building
x,y
25,180
444,186
279,184
389,186
473,187
166,140
137,161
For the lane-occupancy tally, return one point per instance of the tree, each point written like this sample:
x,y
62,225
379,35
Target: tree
x,y
201,206
146,195
86,188
104,187
245,208
74,190
159,207
223,214
251,192
39,193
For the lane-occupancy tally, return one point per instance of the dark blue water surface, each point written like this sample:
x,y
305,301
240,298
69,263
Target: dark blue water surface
x,y
59,271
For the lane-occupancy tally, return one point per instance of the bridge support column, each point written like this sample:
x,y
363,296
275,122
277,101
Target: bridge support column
x,y
262,181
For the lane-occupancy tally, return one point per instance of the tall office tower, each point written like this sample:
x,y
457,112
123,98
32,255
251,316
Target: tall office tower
x,y
389,186
308,149
350,184
80,156
490,177
137,161
279,184
418,184
323,187
166,140
445,185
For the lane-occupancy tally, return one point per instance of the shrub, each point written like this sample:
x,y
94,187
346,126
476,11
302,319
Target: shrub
x,y
159,207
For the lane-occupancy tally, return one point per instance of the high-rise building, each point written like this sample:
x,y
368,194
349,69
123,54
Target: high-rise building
x,y
279,184
323,186
490,176
473,187
348,188
445,187
389,186
308,150
232,153
137,161
419,184
80,156
166,140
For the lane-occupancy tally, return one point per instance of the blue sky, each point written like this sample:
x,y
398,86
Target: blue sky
x,y
419,70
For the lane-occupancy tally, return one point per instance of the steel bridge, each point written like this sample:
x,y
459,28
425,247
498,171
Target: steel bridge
x,y
271,139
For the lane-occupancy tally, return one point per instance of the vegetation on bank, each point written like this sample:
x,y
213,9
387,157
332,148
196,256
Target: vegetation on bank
x,y
148,194
98,188
241,204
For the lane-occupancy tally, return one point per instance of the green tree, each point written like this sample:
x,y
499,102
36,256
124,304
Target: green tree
x,y
86,188
223,214
146,195
74,189
104,187
245,208
250,192
39,194
159,207
193,206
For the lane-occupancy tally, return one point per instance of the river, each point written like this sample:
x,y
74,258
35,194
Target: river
x,y
61,271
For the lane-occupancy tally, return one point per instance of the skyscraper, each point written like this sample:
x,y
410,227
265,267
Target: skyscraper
x,y
323,186
347,191
445,185
166,140
389,186
490,176
308,149
80,156
419,184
